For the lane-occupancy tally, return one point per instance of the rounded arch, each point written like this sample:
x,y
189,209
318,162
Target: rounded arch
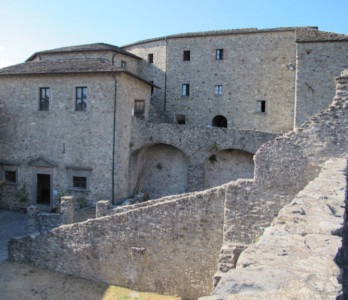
x,y
219,121
158,169
228,165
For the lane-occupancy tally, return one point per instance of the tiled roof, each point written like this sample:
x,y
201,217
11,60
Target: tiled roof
x,y
74,66
311,35
82,48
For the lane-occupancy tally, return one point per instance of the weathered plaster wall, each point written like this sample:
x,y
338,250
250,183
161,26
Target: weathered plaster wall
x,y
317,64
228,165
169,247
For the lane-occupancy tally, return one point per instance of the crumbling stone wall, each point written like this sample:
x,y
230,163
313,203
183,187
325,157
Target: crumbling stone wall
x,y
295,257
169,247
283,168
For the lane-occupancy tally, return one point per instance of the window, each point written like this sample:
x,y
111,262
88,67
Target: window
x,y
218,90
44,99
261,106
123,65
11,176
80,182
219,121
150,58
139,109
219,54
180,119
186,55
81,98
79,178
152,89
186,89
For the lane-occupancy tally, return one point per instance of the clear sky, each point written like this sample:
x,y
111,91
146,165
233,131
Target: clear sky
x,y
28,26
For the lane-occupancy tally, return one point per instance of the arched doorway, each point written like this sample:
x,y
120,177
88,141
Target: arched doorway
x,y
158,169
219,121
228,165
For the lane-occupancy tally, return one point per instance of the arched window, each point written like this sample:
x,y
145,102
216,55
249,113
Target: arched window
x,y
219,121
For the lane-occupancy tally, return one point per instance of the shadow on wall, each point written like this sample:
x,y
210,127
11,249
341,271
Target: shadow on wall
x,y
228,165
159,170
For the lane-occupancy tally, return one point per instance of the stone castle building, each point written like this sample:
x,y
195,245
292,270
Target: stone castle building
x,y
164,116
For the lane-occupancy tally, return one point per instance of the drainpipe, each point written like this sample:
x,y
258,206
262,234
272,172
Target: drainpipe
x,y
165,79
113,145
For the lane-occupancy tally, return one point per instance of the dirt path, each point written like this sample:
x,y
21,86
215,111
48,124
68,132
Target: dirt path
x,y
22,281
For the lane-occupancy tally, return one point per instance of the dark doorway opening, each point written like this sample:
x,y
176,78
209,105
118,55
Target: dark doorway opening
x,y
219,121
43,189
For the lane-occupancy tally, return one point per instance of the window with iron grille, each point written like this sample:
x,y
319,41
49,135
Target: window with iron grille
x,y
80,182
81,98
261,106
219,54
186,89
44,99
139,108
187,55
150,58
218,90
11,176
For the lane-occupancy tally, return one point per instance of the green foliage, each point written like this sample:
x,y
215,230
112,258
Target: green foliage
x,y
22,194
159,166
82,201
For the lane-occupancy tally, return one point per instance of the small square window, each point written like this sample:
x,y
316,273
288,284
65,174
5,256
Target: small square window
x,y
81,98
186,89
219,54
218,90
80,182
11,176
44,99
123,65
139,109
150,58
180,119
187,55
261,106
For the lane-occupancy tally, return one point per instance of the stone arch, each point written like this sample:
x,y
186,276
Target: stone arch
x,y
219,121
228,165
158,169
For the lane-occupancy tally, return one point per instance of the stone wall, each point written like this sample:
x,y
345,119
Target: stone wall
x,y
169,247
198,144
317,64
295,257
155,71
254,67
282,169
63,142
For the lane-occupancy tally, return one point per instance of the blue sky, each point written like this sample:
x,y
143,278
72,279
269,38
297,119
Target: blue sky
x,y
28,26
